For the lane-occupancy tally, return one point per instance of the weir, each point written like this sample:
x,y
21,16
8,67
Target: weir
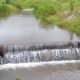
x,y
40,53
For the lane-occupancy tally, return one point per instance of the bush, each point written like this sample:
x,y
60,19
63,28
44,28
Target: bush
x,y
23,3
57,12
7,9
72,26
45,9
3,8
71,5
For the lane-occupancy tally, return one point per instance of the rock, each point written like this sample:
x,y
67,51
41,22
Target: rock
x,y
1,50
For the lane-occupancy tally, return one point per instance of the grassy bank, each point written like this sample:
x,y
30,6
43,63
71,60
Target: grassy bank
x,y
63,13
7,9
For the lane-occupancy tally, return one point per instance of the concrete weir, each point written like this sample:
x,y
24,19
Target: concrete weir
x,y
42,53
49,63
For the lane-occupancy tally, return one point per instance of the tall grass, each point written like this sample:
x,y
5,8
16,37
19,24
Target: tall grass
x,y
7,9
45,8
23,3
60,12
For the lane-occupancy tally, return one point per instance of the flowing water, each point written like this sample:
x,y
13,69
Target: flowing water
x,y
27,41
41,56
23,28
63,70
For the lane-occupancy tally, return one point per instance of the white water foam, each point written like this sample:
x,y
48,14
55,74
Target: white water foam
x,y
37,64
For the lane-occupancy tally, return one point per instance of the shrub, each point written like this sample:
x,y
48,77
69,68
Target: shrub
x,y
45,9
7,9
71,5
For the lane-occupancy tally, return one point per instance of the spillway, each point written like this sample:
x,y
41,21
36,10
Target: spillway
x,y
25,54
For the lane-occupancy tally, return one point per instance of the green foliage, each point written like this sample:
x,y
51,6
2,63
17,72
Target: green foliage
x,y
45,9
17,79
53,19
7,1
3,8
24,4
58,12
72,26
71,5
6,9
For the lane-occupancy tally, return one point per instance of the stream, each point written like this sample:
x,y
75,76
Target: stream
x,y
24,28
61,63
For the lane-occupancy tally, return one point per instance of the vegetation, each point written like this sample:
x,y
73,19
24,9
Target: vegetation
x,y
17,79
44,9
63,13
7,9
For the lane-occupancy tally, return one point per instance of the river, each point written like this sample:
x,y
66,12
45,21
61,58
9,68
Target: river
x,y
24,28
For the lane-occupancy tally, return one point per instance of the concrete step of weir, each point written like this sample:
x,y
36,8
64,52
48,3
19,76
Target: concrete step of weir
x,y
59,49
25,47
41,56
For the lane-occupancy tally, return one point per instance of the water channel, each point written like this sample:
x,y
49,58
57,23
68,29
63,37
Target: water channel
x,y
25,29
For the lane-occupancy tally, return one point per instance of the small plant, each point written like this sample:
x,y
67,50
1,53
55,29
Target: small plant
x,y
18,78
71,5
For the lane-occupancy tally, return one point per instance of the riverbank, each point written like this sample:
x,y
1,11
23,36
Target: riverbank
x,y
7,9
64,14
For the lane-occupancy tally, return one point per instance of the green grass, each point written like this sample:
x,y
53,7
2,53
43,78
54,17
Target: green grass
x,y
63,13
7,9
45,9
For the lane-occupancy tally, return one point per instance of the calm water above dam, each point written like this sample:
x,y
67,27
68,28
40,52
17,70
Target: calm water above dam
x,y
23,28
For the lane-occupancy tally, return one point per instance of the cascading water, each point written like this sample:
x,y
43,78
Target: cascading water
x,y
37,62
23,54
